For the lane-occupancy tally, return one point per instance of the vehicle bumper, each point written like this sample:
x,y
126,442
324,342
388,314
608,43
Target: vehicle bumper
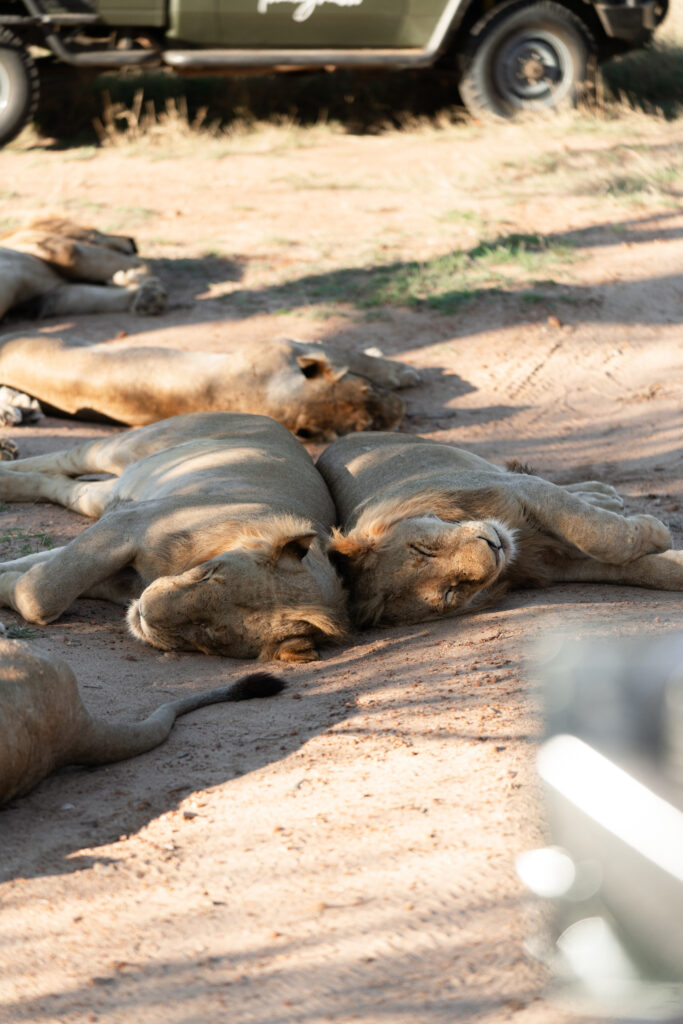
x,y
631,21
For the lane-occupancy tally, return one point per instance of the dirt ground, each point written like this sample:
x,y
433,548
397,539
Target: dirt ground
x,y
345,852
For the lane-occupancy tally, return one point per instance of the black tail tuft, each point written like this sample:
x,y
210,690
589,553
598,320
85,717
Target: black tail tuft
x,y
258,684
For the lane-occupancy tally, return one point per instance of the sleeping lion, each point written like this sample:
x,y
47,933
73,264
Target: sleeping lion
x,y
318,392
429,530
212,527
58,268
44,724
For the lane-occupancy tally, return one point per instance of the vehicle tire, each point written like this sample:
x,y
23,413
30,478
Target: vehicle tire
x,y
526,56
18,86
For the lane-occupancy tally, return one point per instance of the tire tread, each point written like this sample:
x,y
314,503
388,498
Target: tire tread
x,y
8,41
471,87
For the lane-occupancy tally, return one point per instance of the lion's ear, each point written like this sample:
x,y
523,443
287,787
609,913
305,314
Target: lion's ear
x,y
316,366
296,547
346,553
299,648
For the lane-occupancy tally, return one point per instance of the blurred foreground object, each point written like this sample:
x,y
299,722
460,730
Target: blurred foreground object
x,y
612,776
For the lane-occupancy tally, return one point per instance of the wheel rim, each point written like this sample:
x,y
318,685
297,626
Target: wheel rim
x,y
5,89
533,68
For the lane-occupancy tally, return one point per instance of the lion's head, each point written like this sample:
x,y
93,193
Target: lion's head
x,y
317,396
259,599
406,570
48,231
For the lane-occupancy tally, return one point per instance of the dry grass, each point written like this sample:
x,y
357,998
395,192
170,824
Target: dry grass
x,y
120,124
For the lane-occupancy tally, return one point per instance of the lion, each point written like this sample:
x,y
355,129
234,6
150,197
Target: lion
x,y
318,392
212,529
44,725
55,267
429,530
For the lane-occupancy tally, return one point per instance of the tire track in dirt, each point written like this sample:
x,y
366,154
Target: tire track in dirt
x,y
530,379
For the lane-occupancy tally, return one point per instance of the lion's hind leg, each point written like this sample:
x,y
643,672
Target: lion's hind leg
x,y
87,497
595,530
663,571
99,456
70,299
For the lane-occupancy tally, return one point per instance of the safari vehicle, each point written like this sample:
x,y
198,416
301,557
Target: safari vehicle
x,y
508,55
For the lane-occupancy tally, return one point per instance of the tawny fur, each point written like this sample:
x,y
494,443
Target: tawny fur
x,y
44,725
212,524
316,391
427,529
55,267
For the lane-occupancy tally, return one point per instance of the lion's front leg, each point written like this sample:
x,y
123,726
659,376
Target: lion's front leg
x,y
603,534
55,579
597,493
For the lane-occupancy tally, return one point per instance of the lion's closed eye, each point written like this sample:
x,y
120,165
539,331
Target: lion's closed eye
x,y
420,550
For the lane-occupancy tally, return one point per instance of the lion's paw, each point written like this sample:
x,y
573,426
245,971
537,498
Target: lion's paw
x,y
17,408
150,298
604,501
609,500
403,376
8,450
132,277
648,536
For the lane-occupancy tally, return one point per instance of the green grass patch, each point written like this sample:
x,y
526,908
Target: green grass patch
x,y
136,213
84,204
467,217
17,632
26,543
301,183
441,284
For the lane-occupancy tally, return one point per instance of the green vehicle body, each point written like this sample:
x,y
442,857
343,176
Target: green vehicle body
x,y
286,23
507,55
427,26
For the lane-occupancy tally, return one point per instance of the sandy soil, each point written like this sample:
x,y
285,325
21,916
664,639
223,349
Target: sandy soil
x,y
345,851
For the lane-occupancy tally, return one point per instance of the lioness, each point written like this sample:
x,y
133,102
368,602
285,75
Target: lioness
x,y
428,529
316,391
213,523
44,725
59,268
